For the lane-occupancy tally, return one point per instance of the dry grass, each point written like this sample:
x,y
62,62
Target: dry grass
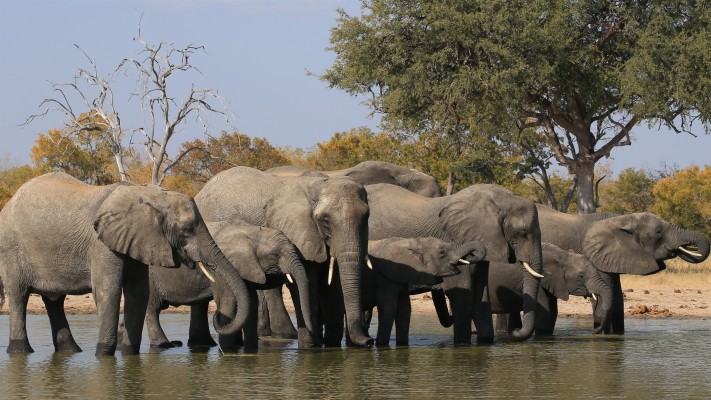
x,y
678,275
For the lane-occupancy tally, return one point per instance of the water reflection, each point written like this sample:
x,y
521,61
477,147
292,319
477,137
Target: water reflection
x,y
656,358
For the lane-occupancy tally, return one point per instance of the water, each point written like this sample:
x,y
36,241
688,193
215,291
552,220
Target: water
x,y
657,358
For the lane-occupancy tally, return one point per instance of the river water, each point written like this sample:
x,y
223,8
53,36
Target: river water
x,y
656,358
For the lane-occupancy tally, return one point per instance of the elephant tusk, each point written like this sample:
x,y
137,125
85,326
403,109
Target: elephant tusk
x,y
691,253
330,270
530,270
368,263
463,261
288,277
594,296
204,271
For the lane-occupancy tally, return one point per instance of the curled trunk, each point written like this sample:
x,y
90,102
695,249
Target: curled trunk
x,y
689,240
602,307
296,269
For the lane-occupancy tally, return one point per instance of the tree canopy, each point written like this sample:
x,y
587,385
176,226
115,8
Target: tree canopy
x,y
583,74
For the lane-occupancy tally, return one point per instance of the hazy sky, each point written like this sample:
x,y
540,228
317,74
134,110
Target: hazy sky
x,y
258,52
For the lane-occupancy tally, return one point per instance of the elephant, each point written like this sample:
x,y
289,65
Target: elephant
x,y
260,254
637,243
372,172
565,273
325,218
399,262
60,236
506,224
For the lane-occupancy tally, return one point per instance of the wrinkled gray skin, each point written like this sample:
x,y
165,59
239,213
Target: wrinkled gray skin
x,y
398,263
506,224
324,218
59,236
565,273
634,244
262,256
372,172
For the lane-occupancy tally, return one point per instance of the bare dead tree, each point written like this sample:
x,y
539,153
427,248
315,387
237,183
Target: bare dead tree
x,y
166,114
96,96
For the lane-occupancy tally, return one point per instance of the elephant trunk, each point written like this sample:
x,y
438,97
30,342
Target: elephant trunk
x,y
602,307
531,285
295,268
472,252
690,239
349,269
225,275
440,303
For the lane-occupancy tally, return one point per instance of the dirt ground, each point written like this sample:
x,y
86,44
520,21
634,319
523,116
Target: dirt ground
x,y
640,302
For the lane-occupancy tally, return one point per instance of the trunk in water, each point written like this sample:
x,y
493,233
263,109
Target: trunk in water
x,y
603,306
298,273
226,275
531,285
349,264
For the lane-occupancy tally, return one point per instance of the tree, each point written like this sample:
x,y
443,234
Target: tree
x,y
685,198
11,179
584,74
96,95
630,193
166,114
346,149
84,155
203,160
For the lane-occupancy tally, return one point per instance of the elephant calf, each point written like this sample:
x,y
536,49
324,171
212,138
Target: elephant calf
x,y
396,264
264,257
565,273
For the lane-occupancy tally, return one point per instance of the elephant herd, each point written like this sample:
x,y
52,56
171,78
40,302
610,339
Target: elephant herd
x,y
343,242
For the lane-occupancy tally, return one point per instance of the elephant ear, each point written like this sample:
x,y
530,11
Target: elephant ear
x,y
554,274
611,246
240,251
130,223
292,213
404,266
468,216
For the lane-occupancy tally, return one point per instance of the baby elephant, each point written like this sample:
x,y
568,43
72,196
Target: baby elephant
x,y
396,264
264,257
565,273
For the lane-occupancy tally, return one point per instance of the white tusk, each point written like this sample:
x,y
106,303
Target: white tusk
x,y
330,270
367,262
288,277
204,271
594,296
463,261
691,253
530,270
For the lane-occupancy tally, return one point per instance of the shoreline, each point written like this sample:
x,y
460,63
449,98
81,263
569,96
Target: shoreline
x,y
640,302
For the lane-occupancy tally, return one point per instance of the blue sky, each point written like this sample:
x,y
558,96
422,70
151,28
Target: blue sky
x,y
258,52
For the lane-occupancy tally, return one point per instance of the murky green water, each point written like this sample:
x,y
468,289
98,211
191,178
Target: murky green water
x,y
659,358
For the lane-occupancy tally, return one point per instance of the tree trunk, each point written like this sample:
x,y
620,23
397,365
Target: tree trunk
x,y
585,174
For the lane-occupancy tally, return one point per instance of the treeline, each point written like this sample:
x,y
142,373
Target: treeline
x,y
680,196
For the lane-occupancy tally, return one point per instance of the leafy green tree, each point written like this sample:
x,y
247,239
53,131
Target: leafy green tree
x,y
685,198
630,193
584,74
346,149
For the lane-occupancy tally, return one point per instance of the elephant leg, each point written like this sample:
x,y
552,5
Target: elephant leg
x,y
333,311
136,291
279,319
17,306
263,324
199,332
251,338
387,304
482,315
61,334
402,319
156,335
461,301
501,322
546,314
367,320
